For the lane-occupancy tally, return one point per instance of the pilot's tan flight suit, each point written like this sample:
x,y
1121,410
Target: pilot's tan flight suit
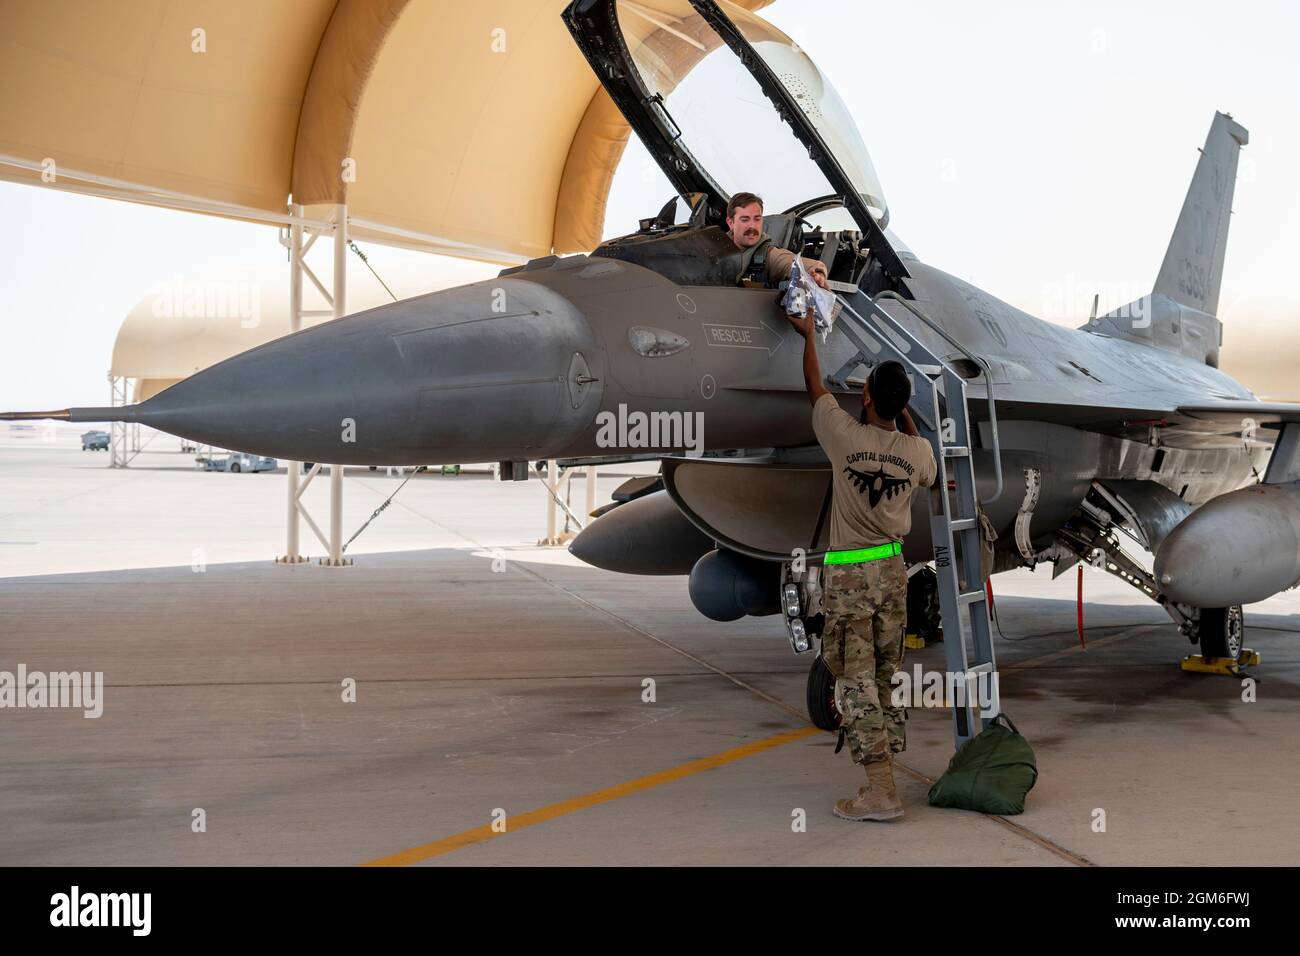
x,y
776,263
874,474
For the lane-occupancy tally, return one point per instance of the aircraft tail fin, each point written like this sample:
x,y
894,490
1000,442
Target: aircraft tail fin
x,y
1193,266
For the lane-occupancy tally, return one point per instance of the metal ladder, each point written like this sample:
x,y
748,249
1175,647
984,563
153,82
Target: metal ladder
x,y
954,524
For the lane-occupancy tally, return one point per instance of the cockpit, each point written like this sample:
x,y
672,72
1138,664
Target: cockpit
x,y
694,253
724,102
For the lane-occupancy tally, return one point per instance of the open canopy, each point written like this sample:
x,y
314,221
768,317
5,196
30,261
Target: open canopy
x,y
726,102
469,128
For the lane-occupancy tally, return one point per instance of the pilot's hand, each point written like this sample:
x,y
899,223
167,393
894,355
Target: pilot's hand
x,y
819,277
802,324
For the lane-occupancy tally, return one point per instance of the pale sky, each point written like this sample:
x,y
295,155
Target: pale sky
x,y
1039,150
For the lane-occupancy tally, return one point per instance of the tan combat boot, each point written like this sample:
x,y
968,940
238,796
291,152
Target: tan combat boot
x,y
878,800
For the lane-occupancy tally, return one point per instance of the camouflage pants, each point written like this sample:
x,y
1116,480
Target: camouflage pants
x,y
862,644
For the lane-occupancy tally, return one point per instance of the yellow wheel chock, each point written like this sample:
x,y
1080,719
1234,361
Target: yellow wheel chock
x,y
1197,664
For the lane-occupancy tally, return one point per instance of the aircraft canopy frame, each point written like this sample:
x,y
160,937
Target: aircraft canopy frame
x,y
670,39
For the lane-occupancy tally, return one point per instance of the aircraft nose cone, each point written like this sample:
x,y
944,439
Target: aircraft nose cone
x,y
496,370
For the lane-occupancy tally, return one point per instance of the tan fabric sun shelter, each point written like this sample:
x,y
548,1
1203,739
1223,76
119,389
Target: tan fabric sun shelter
x,y
472,127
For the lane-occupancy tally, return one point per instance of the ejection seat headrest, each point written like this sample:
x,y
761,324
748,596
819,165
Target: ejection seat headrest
x,y
781,228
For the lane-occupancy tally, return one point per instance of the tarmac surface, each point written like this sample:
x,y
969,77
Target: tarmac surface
x,y
498,682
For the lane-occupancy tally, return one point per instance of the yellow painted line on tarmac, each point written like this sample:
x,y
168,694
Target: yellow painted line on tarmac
x,y
533,817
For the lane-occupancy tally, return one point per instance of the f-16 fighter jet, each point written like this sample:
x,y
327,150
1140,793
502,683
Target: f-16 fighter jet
x,y
1122,432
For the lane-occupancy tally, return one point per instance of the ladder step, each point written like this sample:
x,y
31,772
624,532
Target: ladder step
x,y
956,451
963,524
930,369
970,597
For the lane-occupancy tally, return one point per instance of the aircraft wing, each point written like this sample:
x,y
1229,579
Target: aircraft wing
x,y
1212,424
1271,413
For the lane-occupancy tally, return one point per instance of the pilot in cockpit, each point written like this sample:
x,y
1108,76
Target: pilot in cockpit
x,y
763,262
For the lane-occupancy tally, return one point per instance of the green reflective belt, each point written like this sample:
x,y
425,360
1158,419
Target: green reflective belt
x,y
862,555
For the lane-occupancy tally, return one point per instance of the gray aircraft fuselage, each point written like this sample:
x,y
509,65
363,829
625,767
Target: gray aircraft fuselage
x,y
488,372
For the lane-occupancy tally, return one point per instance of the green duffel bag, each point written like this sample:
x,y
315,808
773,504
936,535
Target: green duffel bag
x,y
991,773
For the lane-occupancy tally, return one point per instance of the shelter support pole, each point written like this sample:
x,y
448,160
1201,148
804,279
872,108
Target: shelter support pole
x,y
552,488
293,469
117,431
591,489
134,427
339,303
556,483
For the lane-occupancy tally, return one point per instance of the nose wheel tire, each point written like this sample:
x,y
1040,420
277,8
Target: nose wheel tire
x,y
821,696
1222,630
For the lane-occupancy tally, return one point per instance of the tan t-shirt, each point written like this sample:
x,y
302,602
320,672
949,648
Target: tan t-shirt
x,y
874,474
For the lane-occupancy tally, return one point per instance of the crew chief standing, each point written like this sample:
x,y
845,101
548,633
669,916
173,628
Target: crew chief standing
x,y
875,470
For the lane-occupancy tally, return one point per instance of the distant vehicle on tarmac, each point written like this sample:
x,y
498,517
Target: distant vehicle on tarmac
x,y
94,441
237,462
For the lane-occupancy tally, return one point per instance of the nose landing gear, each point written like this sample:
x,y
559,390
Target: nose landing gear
x,y
821,696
